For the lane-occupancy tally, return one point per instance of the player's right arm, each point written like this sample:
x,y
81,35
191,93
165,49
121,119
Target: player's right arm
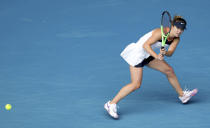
x,y
156,35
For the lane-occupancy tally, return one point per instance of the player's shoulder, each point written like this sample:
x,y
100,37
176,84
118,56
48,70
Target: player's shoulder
x,y
156,32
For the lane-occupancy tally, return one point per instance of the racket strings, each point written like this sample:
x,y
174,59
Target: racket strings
x,y
166,23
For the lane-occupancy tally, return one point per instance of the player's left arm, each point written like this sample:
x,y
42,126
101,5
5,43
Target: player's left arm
x,y
172,47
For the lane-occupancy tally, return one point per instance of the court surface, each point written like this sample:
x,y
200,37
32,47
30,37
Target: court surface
x,y
60,62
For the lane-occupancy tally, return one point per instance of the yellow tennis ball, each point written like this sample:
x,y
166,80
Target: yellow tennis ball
x,y
8,106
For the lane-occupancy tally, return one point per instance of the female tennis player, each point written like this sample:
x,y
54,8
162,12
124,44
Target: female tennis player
x,y
142,53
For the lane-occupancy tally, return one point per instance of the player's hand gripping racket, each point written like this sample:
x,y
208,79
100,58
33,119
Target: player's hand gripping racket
x,y
165,27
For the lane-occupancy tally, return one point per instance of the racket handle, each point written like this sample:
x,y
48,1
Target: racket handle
x,y
162,48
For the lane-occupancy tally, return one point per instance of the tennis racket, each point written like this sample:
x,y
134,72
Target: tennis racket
x,y
165,27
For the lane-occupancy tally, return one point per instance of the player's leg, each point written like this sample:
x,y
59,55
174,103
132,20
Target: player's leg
x,y
136,78
165,68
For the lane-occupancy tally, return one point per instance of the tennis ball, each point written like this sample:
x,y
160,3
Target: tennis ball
x,y
8,106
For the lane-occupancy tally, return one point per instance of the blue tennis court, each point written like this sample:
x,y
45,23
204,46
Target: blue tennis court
x,y
60,63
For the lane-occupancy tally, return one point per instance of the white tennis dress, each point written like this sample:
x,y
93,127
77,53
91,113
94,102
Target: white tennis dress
x,y
134,53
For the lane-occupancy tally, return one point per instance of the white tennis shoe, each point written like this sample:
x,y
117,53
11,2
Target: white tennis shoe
x,y
188,95
111,109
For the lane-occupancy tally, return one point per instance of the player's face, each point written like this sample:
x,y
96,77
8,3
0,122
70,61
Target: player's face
x,y
177,31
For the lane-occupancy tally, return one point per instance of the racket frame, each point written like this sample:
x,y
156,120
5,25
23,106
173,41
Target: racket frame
x,y
164,37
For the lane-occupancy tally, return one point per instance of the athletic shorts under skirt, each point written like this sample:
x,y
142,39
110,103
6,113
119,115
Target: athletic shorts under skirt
x,y
145,62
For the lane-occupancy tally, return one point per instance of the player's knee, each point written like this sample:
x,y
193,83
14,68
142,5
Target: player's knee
x,y
169,71
136,85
